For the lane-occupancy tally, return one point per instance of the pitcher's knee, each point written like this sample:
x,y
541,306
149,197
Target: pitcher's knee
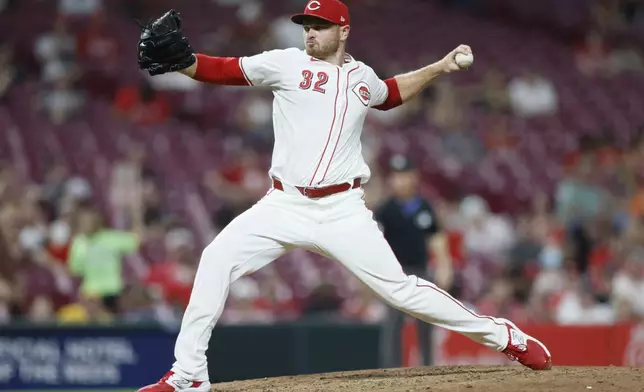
x,y
218,252
399,293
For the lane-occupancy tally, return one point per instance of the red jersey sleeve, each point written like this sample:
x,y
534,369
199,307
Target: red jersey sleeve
x,y
385,94
264,69
220,70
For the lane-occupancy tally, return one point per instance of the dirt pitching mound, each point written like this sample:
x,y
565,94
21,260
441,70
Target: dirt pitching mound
x,y
454,378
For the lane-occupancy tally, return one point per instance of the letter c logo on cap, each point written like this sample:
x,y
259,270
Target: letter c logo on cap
x,y
314,5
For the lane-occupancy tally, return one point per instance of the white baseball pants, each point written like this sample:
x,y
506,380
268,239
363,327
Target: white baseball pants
x,y
339,226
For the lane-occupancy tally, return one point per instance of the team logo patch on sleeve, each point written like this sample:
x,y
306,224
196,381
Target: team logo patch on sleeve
x,y
361,90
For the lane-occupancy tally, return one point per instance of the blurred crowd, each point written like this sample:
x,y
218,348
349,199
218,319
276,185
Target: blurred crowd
x,y
572,256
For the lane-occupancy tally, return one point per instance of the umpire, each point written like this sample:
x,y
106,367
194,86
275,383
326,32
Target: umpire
x,y
411,228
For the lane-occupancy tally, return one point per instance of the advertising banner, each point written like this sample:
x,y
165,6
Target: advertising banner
x,y
593,345
87,359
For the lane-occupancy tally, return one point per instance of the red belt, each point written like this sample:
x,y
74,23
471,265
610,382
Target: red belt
x,y
316,193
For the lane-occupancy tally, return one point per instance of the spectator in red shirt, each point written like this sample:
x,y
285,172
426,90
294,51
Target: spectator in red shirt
x,y
174,277
59,241
142,104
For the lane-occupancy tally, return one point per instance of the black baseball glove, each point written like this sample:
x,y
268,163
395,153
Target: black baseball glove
x,y
162,46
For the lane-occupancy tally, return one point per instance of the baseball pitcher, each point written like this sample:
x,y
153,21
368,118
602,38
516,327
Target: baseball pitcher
x,y
321,98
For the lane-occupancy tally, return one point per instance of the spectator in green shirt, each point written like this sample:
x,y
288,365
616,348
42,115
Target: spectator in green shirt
x,y
96,255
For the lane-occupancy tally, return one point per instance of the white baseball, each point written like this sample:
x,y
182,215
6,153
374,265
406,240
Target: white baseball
x,y
464,60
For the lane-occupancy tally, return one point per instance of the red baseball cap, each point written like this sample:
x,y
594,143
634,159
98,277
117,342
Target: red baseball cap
x,y
333,11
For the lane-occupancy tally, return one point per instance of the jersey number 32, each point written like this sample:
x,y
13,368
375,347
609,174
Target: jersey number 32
x,y
322,77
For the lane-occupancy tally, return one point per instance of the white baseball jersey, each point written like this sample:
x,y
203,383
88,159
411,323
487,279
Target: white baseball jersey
x,y
318,114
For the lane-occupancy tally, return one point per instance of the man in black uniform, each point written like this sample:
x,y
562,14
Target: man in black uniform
x,y
411,227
